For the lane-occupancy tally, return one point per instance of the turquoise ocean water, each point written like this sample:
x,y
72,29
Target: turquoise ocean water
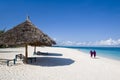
x,y
108,52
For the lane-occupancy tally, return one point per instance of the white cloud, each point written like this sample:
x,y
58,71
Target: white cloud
x,y
107,42
68,43
54,39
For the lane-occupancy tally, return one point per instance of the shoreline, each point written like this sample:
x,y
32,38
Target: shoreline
x,y
100,53
104,56
60,64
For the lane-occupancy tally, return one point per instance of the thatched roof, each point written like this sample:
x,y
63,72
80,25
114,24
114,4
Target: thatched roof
x,y
25,33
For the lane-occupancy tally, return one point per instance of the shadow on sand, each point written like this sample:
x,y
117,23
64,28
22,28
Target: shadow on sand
x,y
52,61
8,51
49,54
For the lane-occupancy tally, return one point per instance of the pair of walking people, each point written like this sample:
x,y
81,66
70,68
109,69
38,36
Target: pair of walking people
x,y
93,53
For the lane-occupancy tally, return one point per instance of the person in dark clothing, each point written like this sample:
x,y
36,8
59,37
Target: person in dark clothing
x,y
91,53
94,53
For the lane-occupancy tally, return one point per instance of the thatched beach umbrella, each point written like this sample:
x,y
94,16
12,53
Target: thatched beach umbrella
x,y
26,34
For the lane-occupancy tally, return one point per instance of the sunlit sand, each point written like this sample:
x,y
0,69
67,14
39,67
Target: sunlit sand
x,y
58,64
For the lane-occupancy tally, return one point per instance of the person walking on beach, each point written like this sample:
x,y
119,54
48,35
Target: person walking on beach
x,y
94,53
91,53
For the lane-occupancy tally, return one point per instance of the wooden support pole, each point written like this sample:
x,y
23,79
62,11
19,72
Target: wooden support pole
x,y
26,53
34,49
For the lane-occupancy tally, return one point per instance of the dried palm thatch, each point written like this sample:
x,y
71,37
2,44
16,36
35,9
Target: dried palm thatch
x,y
26,33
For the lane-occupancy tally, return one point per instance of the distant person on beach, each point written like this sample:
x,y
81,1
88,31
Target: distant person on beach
x,y
91,53
94,53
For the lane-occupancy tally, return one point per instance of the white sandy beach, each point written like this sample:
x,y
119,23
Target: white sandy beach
x,y
59,64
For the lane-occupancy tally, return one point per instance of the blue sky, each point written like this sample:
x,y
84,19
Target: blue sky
x,y
66,20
